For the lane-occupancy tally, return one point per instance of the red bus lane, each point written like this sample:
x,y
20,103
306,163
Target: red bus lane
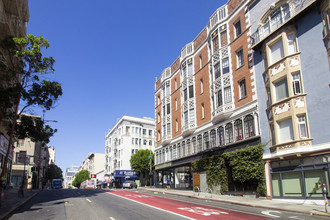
x,y
187,209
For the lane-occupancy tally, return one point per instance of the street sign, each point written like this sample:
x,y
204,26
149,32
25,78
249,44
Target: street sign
x,y
150,156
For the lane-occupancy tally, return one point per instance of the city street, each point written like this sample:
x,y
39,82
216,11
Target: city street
x,y
137,204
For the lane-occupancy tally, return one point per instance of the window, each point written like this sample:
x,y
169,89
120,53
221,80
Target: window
x,y
176,104
175,84
200,61
199,143
133,141
168,129
221,136
223,38
217,71
202,86
285,130
150,133
179,150
225,65
203,111
219,98
240,58
276,51
212,138
242,89
194,146
191,91
238,129
269,97
292,47
185,115
188,147
158,117
144,131
190,67
168,108
237,27
215,42
227,95
229,133
206,141
302,126
183,149
185,95
296,84
192,115
158,138
158,100
249,126
184,71
281,90
176,125
144,142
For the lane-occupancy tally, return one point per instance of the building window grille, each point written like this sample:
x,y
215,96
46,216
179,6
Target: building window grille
x,y
206,141
238,129
217,72
225,65
199,143
221,136
249,126
188,147
229,133
213,138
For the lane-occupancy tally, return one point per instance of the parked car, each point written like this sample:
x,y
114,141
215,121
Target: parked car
x,y
129,184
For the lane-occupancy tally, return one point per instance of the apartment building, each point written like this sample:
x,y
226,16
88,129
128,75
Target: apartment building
x,y
129,135
94,163
14,15
69,175
206,101
292,77
30,162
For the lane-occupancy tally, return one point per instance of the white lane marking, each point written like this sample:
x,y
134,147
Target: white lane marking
x,y
203,211
268,213
153,207
88,200
294,217
112,218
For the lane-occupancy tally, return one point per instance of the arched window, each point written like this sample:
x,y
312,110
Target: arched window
x,y
179,151
183,149
206,141
188,147
163,156
238,129
199,143
170,154
249,126
229,133
221,136
194,145
213,138
174,152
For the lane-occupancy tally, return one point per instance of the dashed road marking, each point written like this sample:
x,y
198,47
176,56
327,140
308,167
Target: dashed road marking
x,y
268,213
88,200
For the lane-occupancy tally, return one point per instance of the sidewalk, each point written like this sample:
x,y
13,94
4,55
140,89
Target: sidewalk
x,y
299,206
12,201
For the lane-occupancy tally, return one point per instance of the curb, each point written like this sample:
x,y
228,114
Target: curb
x,y
19,205
245,204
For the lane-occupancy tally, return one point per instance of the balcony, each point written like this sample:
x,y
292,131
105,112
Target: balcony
x,y
222,112
188,129
217,17
166,139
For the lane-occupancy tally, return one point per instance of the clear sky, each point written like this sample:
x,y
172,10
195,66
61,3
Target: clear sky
x,y
108,54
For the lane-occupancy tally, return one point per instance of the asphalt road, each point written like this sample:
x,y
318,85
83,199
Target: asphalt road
x,y
136,204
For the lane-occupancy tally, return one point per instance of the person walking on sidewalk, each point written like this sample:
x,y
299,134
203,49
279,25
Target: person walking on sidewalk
x,y
168,183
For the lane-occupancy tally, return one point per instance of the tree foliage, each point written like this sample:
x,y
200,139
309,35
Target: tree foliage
x,y
53,172
23,85
81,176
246,166
140,161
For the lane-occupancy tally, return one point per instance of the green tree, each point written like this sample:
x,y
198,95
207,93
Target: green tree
x,y
53,172
23,85
81,176
140,162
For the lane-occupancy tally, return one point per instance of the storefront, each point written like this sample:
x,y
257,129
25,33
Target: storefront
x,y
179,177
300,177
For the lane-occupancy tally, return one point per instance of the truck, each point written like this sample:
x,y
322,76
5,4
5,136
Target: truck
x,y
57,184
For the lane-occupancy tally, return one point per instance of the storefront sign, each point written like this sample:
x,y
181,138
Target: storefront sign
x,y
4,146
160,166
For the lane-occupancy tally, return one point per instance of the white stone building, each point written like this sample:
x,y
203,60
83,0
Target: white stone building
x,y
129,135
69,175
94,163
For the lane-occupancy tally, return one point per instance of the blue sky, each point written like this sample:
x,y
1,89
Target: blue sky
x,y
108,54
